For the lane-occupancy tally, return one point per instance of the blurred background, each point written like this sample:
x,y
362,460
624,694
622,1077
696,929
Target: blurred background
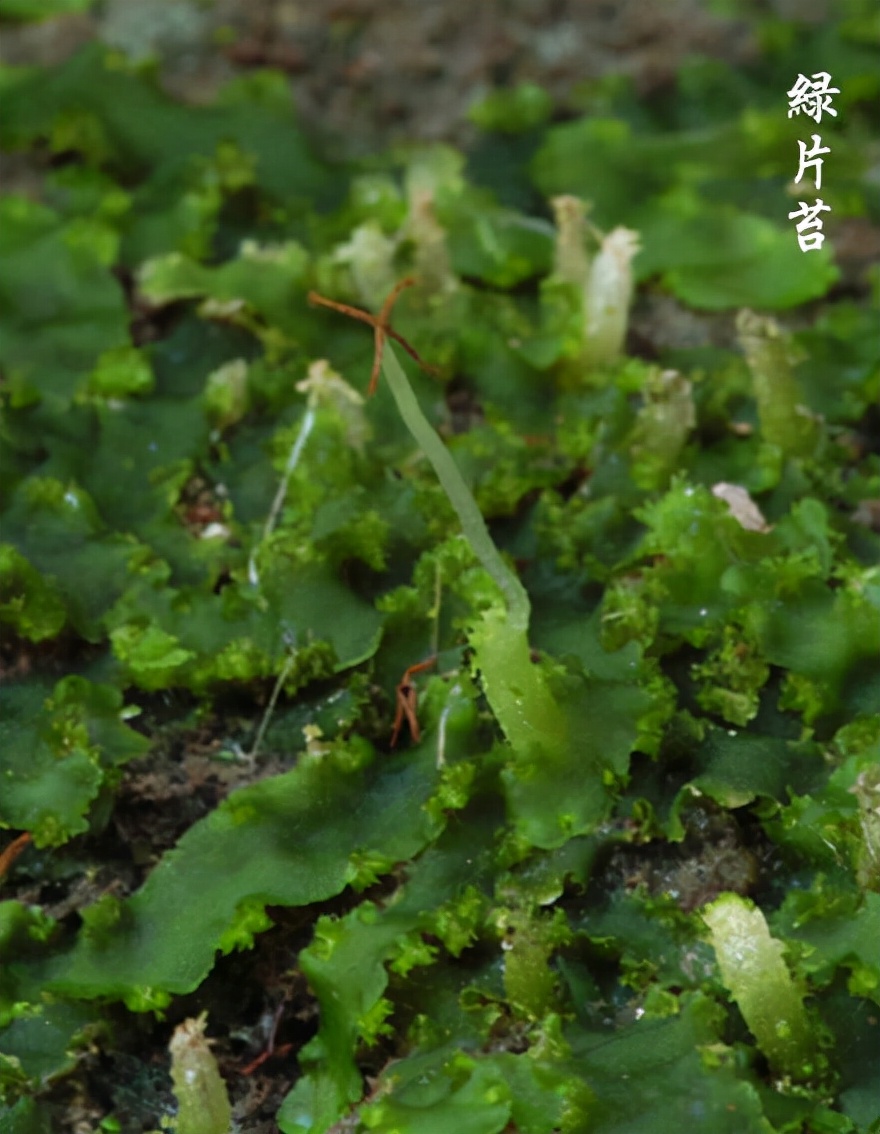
x,y
369,72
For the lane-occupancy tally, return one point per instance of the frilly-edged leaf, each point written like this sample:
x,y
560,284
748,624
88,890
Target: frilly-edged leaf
x,y
289,840
42,1044
737,766
120,373
469,1096
718,258
263,279
61,306
147,132
193,637
561,779
57,747
667,1074
29,603
346,962
837,930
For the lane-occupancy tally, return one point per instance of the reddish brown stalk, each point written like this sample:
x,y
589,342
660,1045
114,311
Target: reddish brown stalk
x,y
382,329
11,853
270,1048
406,702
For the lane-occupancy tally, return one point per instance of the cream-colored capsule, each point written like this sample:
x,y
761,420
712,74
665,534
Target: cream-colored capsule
x,y
202,1102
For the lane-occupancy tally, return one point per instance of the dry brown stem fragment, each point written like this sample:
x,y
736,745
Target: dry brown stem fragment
x,y
11,853
406,702
382,329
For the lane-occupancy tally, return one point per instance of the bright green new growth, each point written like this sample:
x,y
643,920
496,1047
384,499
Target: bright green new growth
x,y
520,700
202,1101
757,978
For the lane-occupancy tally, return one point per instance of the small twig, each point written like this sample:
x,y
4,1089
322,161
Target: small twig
x,y
406,702
381,328
270,1048
11,853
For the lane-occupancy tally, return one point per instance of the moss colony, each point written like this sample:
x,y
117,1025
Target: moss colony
x,y
620,869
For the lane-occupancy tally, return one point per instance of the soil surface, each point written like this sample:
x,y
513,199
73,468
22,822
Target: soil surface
x,y
369,72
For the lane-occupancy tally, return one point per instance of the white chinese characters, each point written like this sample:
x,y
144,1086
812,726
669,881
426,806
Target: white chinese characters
x,y
809,229
811,97
810,159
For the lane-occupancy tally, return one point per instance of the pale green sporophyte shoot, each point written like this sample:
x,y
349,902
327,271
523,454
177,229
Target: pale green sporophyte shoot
x,y
515,688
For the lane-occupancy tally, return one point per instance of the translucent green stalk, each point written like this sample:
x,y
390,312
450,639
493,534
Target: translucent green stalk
x,y
472,522
757,978
785,421
514,687
662,427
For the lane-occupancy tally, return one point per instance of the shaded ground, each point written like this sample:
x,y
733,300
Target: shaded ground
x,y
367,72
